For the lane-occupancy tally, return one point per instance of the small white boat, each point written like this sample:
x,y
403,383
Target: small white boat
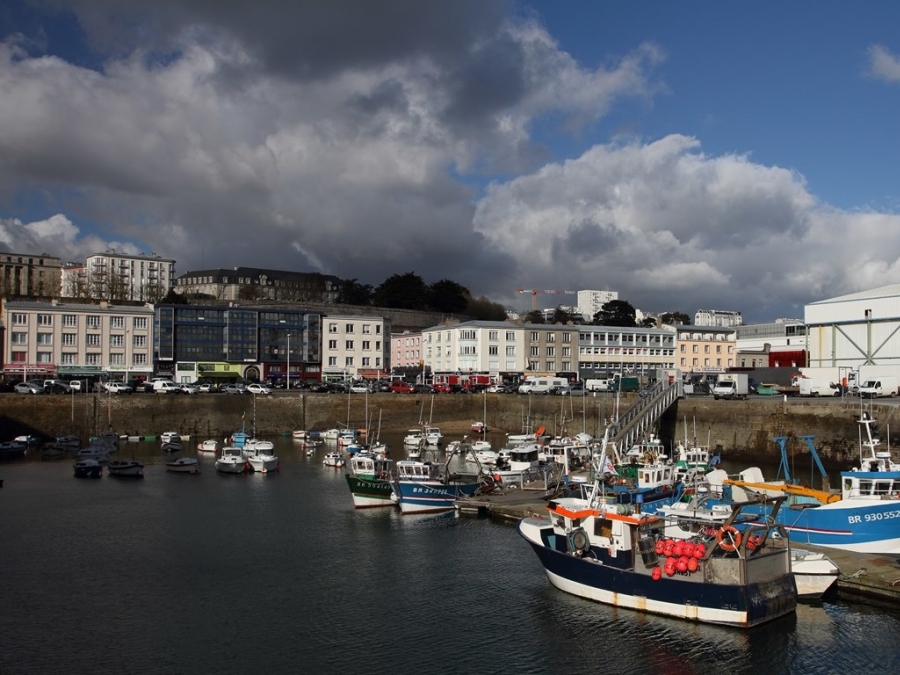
x,y
69,442
231,461
815,573
96,452
413,437
333,459
170,437
88,468
125,467
184,465
209,445
433,436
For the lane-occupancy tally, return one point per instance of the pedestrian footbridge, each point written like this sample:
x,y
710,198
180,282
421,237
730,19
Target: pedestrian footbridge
x,y
644,415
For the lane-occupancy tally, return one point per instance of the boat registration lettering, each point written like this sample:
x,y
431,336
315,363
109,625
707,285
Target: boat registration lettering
x,y
869,517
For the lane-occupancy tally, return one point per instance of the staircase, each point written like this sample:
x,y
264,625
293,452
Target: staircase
x,y
643,415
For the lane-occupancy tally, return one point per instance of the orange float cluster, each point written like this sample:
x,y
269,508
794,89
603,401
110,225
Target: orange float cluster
x,y
682,557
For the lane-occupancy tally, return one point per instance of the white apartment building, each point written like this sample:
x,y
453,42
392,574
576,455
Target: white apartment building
x,y
606,350
117,276
591,302
355,347
500,349
717,317
54,339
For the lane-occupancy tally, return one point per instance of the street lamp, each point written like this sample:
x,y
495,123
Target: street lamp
x,y
289,362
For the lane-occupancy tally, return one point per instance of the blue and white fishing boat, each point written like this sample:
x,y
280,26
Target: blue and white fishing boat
x,y
864,516
619,556
428,487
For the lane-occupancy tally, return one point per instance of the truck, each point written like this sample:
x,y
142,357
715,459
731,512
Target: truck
x,y
811,386
731,385
883,385
623,384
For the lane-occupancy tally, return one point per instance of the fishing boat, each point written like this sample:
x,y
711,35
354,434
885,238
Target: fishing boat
x,y
169,437
369,480
184,465
88,468
231,460
426,487
864,516
704,509
130,468
621,557
260,456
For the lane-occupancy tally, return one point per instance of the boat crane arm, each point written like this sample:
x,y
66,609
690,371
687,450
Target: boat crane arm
x,y
819,495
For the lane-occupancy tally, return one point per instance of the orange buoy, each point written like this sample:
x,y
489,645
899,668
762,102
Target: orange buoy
x,y
660,546
681,565
656,574
692,565
699,550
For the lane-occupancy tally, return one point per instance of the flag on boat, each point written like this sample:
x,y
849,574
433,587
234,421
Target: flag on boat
x,y
606,465
243,415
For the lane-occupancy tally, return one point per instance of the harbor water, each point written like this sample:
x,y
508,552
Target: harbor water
x,y
278,573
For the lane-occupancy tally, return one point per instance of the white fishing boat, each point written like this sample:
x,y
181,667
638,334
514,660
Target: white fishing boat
x,y
231,460
261,457
88,468
170,437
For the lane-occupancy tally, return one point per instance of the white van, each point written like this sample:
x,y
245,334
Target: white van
x,y
596,384
541,385
166,387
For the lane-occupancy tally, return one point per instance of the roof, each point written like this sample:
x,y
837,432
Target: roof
x,y
892,290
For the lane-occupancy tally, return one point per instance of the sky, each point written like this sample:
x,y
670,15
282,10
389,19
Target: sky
x,y
703,155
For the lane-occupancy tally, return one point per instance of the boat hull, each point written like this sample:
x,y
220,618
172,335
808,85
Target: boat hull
x,y
862,526
738,605
431,496
230,467
125,469
814,573
263,464
183,467
371,492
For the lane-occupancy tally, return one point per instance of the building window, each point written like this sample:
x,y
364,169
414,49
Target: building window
x,y
116,340
93,321
366,345
18,338
348,328
332,360
492,335
534,336
68,359
18,357
139,359
70,339
19,319
551,337
493,350
332,328
139,322
117,359
551,351
365,362
510,336
366,329
117,322
348,344
332,344
348,362
92,359
45,319
535,351
70,321
92,340
45,339
510,350
44,357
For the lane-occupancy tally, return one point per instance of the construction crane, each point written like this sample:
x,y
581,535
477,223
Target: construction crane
x,y
534,293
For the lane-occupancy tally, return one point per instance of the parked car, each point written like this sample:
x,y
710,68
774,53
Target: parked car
x,y
189,388
560,390
29,388
166,387
257,388
319,388
383,386
441,388
423,389
359,388
233,389
118,388
401,387
56,387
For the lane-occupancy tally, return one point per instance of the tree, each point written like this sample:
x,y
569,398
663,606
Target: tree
x,y
448,297
561,316
675,319
354,293
402,291
173,298
535,316
483,309
648,322
616,313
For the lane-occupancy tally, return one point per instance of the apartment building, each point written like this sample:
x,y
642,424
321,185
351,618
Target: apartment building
x,y
705,349
73,340
29,275
253,283
117,277
604,350
355,347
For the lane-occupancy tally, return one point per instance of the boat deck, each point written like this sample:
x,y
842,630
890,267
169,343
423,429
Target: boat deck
x,y
863,575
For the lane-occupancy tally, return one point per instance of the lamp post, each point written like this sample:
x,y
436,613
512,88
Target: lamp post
x,y
289,362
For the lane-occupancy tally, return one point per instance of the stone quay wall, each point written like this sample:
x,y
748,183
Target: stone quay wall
x,y
742,430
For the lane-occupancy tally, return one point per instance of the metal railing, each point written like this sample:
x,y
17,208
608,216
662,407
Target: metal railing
x,y
643,415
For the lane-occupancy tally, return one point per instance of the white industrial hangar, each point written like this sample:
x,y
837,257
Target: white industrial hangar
x,y
855,330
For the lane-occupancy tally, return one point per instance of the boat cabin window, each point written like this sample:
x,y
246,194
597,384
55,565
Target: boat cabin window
x,y
603,527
